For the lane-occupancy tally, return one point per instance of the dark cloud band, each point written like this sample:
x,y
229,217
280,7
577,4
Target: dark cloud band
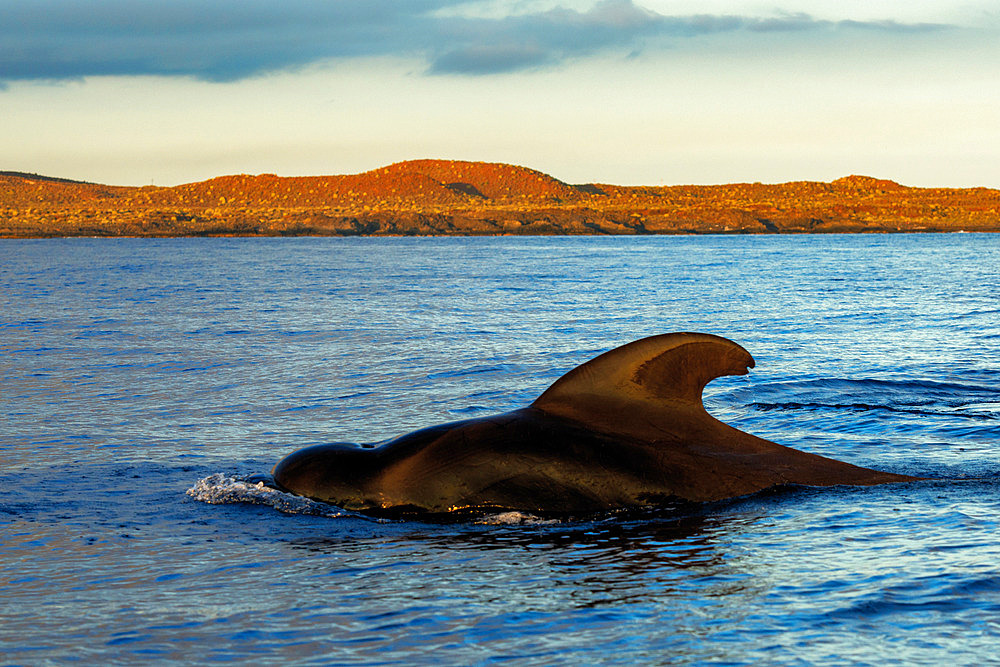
x,y
228,39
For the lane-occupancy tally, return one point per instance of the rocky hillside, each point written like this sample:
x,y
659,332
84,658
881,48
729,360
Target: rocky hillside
x,y
441,197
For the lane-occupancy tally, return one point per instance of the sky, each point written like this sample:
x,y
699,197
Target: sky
x,y
632,92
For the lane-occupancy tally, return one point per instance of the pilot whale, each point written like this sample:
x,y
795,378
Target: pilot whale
x,y
626,429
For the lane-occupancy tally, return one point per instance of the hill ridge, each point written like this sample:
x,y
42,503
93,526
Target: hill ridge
x,y
455,197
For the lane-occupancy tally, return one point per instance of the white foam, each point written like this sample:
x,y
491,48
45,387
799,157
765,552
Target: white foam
x,y
514,519
223,489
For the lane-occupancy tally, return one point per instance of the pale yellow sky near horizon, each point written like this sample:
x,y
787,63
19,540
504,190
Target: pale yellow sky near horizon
x,y
912,105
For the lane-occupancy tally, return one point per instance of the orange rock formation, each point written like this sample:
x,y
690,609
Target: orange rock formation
x,y
441,197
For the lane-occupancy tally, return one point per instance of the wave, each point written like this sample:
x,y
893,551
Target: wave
x,y
223,489
947,593
503,370
867,407
917,397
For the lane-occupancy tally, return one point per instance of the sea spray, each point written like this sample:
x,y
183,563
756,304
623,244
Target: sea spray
x,y
223,489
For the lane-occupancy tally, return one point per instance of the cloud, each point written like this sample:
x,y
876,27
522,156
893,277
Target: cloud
x,y
226,40
800,21
220,40
478,46
491,59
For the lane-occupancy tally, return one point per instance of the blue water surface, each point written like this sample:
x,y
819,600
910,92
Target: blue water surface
x,y
142,383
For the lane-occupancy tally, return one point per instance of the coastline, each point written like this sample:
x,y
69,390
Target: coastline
x,y
444,198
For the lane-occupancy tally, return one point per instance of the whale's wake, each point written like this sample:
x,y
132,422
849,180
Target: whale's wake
x,y
224,489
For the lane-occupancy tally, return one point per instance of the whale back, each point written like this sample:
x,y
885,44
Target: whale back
x,y
625,429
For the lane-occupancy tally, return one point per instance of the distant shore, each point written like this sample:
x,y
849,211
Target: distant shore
x,y
447,198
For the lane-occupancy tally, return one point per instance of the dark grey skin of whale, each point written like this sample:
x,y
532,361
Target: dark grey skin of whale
x,y
625,430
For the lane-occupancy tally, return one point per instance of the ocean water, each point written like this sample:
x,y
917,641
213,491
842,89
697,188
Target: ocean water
x,y
144,382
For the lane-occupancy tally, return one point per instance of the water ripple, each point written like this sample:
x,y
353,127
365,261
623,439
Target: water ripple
x,y
131,372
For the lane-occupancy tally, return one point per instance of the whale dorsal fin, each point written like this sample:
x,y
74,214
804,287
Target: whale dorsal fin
x,y
669,368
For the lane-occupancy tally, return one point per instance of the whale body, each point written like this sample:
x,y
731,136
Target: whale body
x,y
626,429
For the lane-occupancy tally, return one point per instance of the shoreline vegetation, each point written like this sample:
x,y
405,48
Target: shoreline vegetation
x,y
449,198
